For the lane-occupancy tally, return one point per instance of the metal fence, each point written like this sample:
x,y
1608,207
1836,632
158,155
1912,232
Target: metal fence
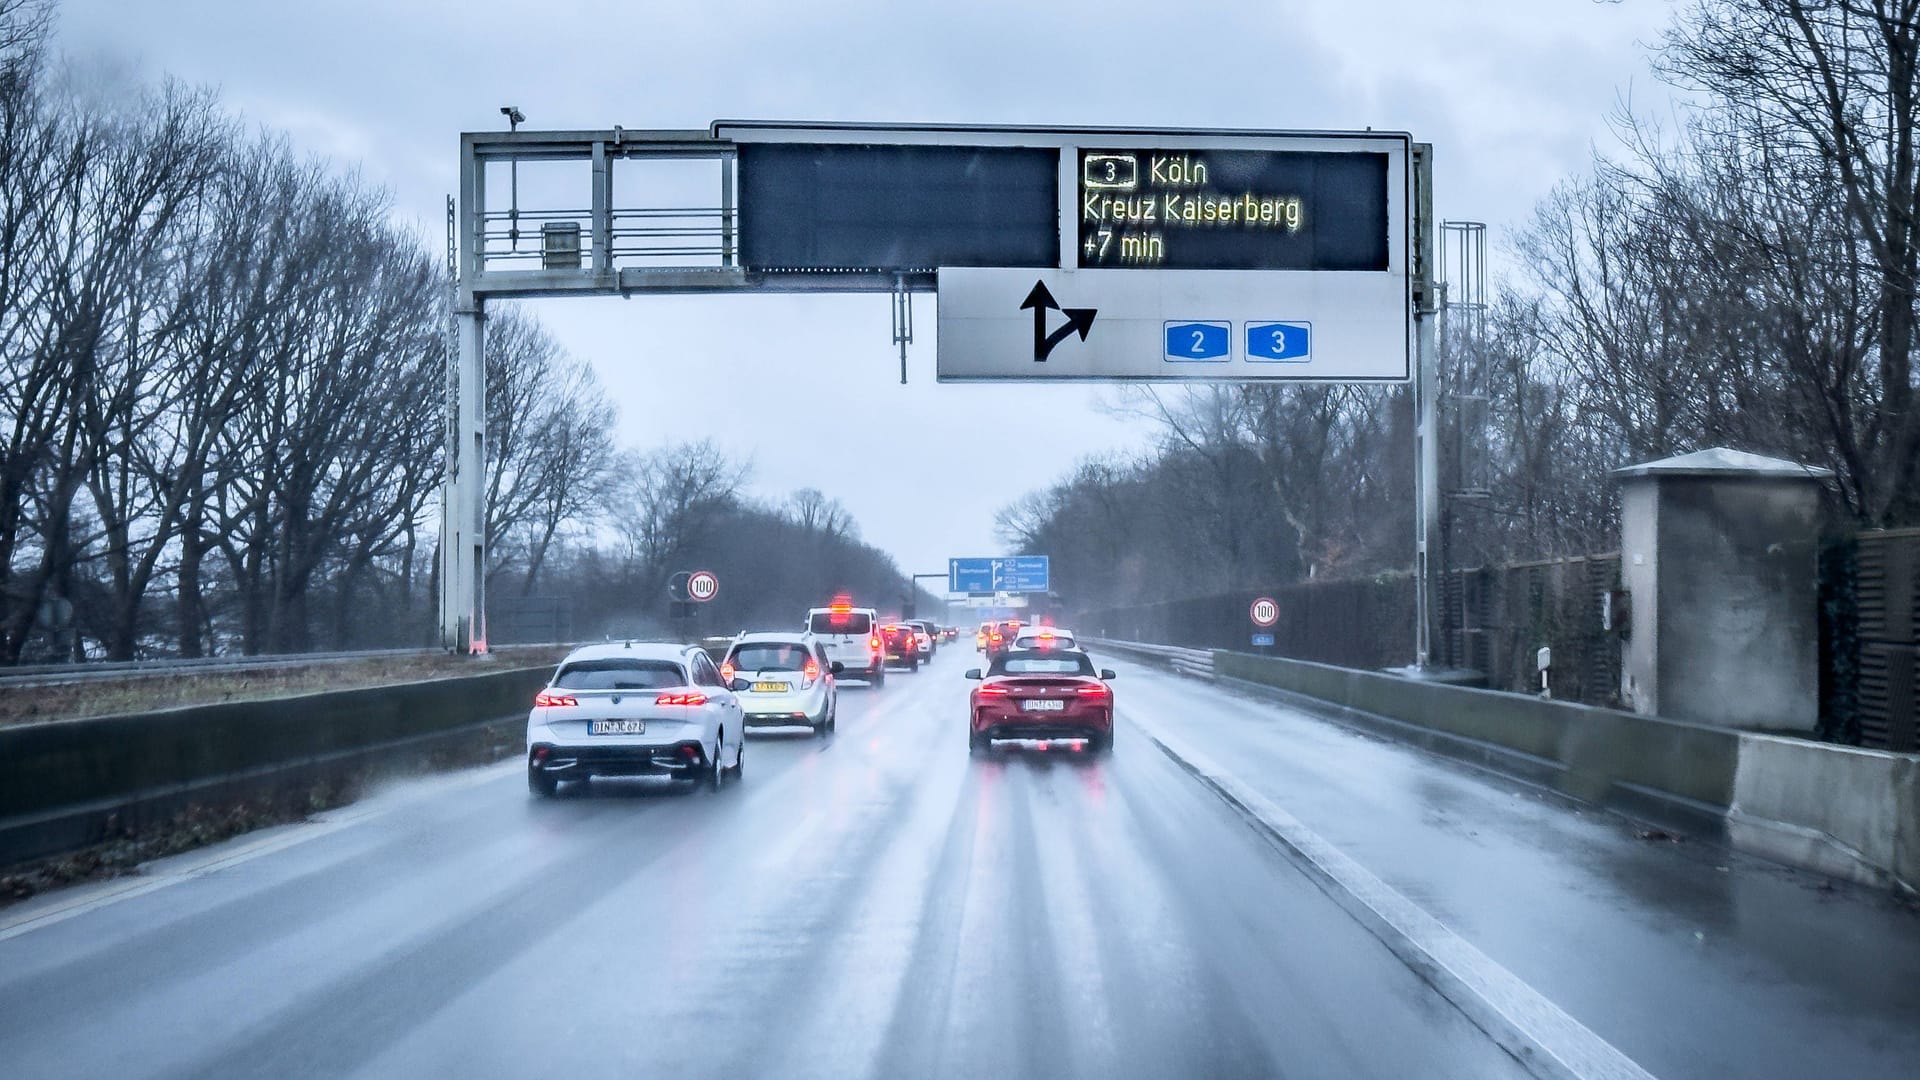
x,y
1495,618
1884,649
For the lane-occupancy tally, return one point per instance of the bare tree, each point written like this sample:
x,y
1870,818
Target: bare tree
x,y
819,514
1826,93
549,443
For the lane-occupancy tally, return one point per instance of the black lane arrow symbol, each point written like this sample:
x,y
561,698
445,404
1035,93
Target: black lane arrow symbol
x,y
1079,320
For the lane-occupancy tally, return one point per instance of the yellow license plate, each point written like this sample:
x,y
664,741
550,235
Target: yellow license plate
x,y
770,687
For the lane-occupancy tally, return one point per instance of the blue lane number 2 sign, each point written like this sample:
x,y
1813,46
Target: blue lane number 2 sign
x,y
1198,341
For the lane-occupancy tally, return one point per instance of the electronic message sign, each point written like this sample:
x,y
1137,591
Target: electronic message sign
x,y
815,207
1203,209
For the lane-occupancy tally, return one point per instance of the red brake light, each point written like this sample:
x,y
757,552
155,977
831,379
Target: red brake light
x,y
546,700
812,670
681,699
873,643
726,671
998,690
1095,691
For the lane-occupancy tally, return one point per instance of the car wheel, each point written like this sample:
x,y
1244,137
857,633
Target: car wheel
x,y
717,773
740,762
879,677
541,782
978,745
833,713
1101,744
914,664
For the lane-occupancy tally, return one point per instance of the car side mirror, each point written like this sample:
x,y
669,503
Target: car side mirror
x,y
738,684
836,667
973,673
1106,673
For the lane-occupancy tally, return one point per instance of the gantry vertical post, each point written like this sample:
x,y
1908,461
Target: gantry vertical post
x,y
1426,466
463,546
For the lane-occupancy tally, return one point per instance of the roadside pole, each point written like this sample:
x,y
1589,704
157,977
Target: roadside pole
x,y
1427,302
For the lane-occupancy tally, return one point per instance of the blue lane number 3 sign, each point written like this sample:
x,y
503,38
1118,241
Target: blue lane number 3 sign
x,y
1285,342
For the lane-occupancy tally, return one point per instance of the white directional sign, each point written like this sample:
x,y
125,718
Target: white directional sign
x,y
702,585
1238,325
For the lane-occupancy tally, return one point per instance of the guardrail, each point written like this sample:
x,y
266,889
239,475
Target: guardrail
x,y
1195,662
28,675
63,674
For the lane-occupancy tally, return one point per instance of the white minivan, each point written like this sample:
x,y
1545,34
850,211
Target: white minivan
x,y
852,637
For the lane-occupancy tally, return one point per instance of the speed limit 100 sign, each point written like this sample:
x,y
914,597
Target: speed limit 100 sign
x,y
1264,611
702,585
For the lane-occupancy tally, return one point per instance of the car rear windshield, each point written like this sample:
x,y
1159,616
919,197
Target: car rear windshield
x,y
620,674
771,656
841,622
1037,664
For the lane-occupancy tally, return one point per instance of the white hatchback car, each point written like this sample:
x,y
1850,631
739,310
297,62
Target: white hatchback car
x,y
635,709
789,681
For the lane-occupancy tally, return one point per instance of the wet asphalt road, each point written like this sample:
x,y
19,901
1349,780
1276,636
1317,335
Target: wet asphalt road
x,y
873,904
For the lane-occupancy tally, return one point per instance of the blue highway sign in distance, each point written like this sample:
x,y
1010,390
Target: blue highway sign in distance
x,y
1263,640
1190,341
1016,573
1279,341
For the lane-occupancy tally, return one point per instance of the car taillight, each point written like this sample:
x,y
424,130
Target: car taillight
x,y
995,639
873,643
550,701
994,690
681,699
726,673
1095,691
810,672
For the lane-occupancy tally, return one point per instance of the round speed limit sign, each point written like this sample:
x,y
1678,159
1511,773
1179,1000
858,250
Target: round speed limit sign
x,y
702,585
1265,611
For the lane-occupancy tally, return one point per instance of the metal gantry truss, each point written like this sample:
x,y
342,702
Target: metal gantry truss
x,y
607,242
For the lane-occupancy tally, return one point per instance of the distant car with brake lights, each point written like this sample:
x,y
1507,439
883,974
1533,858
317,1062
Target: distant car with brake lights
x,y
852,639
1001,635
1040,694
902,644
925,637
783,680
635,709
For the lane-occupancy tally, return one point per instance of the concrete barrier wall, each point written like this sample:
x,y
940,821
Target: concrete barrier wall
x,y
49,768
1840,810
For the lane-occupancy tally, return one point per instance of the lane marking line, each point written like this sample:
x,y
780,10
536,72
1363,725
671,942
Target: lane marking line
x,y
159,874
1542,1036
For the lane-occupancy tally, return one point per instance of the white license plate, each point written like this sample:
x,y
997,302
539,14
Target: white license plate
x,y
616,727
1044,705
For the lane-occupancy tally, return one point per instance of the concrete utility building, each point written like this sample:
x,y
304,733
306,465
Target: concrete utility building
x,y
1718,552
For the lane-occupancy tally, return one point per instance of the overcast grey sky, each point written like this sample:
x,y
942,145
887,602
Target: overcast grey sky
x,y
1512,93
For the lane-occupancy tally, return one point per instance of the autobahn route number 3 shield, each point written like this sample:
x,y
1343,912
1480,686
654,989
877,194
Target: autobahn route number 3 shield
x,y
703,585
1265,611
